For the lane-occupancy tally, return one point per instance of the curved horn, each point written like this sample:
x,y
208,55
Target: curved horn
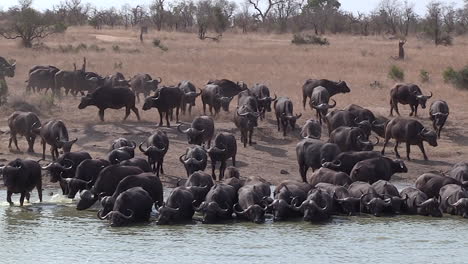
x,y
182,160
238,212
244,114
125,216
334,104
200,207
376,143
183,131
429,96
141,148
221,210
46,167
99,215
160,80
298,116
201,91
69,167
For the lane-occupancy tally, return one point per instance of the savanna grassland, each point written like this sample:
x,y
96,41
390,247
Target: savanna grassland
x,y
253,58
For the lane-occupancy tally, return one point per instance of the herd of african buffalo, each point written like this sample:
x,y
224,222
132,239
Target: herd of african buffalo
x,y
348,176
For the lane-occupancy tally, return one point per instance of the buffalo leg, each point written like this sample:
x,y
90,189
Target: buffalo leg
x,y
43,148
395,106
304,100
440,130
39,191
234,160
127,113
28,196
396,149
244,138
408,150
421,146
416,110
222,168
31,141
303,171
213,168
167,119
412,110
177,115
160,118
135,110
23,195
101,114
278,123
250,138
161,166
204,108
9,193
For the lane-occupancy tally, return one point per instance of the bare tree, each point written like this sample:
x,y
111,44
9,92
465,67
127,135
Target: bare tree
x,y
434,20
257,5
157,13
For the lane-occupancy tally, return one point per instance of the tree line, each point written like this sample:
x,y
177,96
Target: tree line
x,y
398,18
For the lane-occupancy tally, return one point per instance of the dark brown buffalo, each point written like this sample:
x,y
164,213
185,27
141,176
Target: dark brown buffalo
x,y
320,102
388,190
331,86
431,182
381,168
113,98
157,146
312,153
22,176
55,134
345,161
246,119
213,97
262,93
190,95
166,99
317,207
418,203
371,201
439,111
454,200
284,193
343,118
407,94
351,139
23,124
229,88
194,159
410,131
218,203
329,176
200,132
251,202
225,147
459,171
284,112
42,77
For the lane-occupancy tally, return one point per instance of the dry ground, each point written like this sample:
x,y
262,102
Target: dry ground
x,y
270,59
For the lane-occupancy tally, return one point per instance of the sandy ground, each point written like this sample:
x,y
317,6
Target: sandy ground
x,y
252,58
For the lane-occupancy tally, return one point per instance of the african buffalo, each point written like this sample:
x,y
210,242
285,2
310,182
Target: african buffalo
x,y
85,175
320,102
459,171
199,183
386,189
418,203
284,193
431,182
105,184
157,146
123,153
137,162
407,94
454,200
329,176
218,203
317,207
229,88
212,96
21,176
311,129
343,118
345,161
113,98
177,208
148,181
166,99
343,202
121,142
200,132
285,114
225,147
42,78
371,201
332,87
262,93
351,139
132,205
194,159
439,111
380,168
75,81
245,120
23,124
190,95
312,153
410,131
55,134
251,202
143,83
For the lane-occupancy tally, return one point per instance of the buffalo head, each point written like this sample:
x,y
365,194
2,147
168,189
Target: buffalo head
x,y
343,87
461,206
429,136
429,207
166,214
87,199
422,99
194,135
153,152
86,100
212,211
117,218
56,170
375,205
254,213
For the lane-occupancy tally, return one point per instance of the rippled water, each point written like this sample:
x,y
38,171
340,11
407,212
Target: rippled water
x,y
54,232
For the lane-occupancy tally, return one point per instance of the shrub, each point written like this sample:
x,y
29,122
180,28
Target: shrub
x,y
396,73
300,39
116,48
118,65
458,78
424,76
157,43
96,48
60,27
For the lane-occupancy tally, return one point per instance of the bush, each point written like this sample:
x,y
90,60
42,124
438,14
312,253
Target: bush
x,y
424,76
299,39
96,48
458,78
157,43
60,27
116,48
396,73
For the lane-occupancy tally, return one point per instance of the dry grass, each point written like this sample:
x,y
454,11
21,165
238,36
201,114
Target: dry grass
x,y
270,59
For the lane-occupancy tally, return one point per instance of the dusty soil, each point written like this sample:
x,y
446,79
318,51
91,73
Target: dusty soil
x,y
252,58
